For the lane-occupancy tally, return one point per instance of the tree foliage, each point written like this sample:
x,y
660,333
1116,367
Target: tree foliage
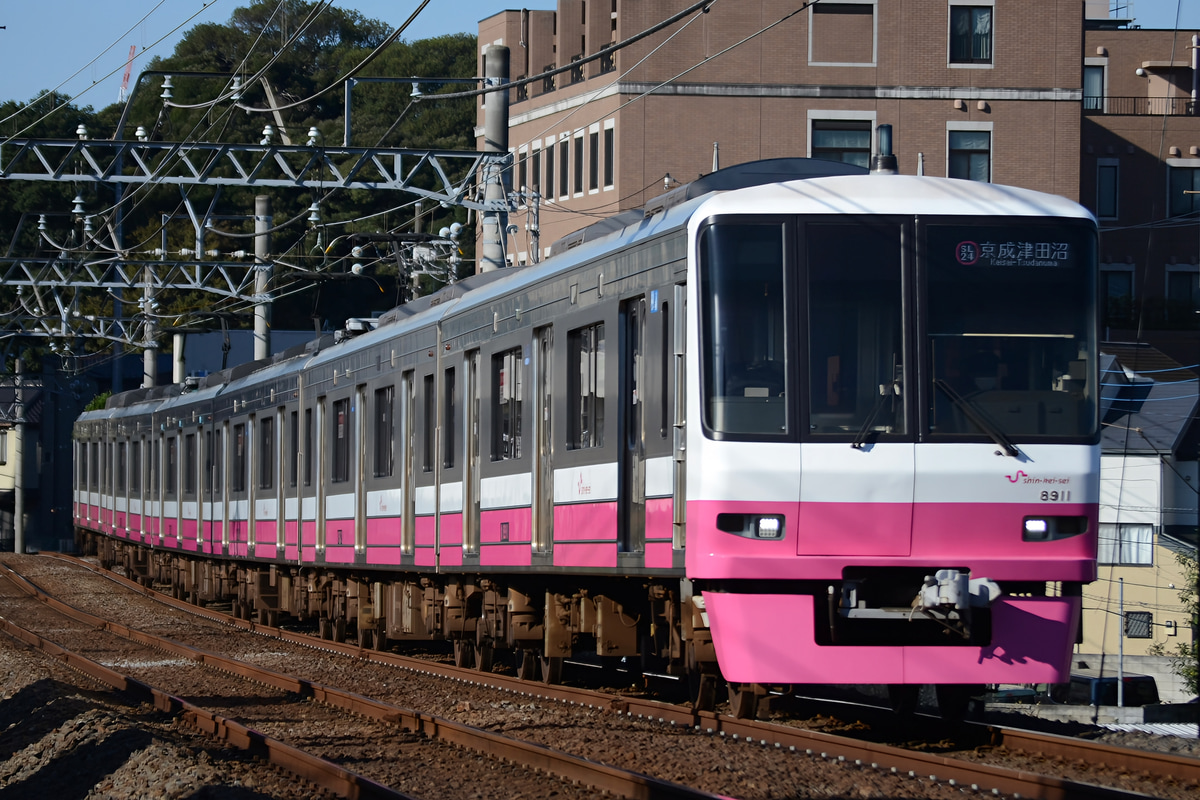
x,y
285,55
1185,656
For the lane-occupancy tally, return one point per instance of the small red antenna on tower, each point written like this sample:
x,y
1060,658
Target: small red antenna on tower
x,y
128,69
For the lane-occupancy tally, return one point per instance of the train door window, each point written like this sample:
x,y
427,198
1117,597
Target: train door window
x,y
339,442
471,477
407,462
308,447
543,470
189,464
506,405
665,351
240,455
121,467
212,464
172,470
743,356
429,416
585,387
855,337
293,448
266,453
135,466
448,419
385,431
156,470
94,467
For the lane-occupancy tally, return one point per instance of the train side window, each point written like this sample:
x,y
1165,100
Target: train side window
x,y
172,465
189,464
94,467
266,451
506,405
585,390
665,349
207,478
340,440
239,458
385,431
135,466
448,421
156,470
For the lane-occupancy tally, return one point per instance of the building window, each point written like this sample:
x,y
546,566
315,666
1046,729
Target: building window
x,y
385,431
594,161
970,34
549,192
340,441
585,389
1116,295
970,155
578,162
4,447
522,168
1107,184
535,170
847,140
1183,180
564,167
1139,625
1126,544
506,405
1183,296
842,33
1093,88
610,154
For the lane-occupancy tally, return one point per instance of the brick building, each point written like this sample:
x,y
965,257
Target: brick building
x,y
970,89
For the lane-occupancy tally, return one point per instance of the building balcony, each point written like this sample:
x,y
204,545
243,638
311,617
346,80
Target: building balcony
x,y
1139,106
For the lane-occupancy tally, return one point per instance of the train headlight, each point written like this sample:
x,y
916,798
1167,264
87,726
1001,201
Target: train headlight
x,y
1050,529
752,526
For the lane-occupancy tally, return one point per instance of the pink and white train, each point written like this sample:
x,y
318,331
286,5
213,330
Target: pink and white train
x,y
836,429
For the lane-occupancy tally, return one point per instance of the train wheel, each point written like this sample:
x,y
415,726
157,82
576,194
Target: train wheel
x,y
552,667
904,697
954,699
464,653
381,641
339,630
484,655
743,700
527,664
366,639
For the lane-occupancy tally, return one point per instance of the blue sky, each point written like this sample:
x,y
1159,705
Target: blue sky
x,y
45,42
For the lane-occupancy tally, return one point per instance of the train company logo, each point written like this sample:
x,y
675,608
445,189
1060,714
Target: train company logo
x,y
967,253
1014,478
584,489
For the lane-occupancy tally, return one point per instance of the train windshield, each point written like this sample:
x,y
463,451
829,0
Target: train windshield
x,y
1009,330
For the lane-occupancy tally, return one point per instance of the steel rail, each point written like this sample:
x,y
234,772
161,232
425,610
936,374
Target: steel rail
x,y
530,754
983,777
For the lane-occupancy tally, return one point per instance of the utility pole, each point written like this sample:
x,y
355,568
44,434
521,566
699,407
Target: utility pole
x,y
262,277
495,140
19,465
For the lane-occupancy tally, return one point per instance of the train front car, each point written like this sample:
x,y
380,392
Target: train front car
x,y
893,440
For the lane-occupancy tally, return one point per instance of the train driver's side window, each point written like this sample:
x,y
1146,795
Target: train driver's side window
x,y
743,325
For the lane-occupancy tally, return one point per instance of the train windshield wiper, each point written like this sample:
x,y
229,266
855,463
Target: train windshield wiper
x,y
979,419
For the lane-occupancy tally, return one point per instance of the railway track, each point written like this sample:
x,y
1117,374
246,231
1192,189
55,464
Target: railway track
x,y
987,769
